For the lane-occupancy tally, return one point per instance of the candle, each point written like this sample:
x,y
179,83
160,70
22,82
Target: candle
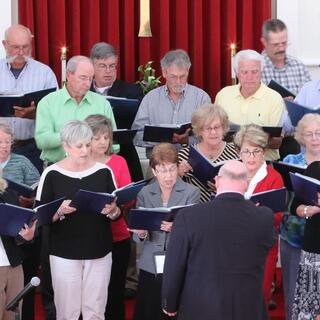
x,y
63,65
233,53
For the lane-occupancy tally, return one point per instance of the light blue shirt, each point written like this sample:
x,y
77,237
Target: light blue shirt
x,y
309,95
158,108
33,77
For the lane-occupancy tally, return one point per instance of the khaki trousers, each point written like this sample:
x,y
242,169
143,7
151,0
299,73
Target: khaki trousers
x,y
11,283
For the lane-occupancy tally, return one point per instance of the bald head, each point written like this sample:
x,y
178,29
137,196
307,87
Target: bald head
x,y
233,176
18,45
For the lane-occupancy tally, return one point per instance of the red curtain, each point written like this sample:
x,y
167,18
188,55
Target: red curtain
x,y
204,28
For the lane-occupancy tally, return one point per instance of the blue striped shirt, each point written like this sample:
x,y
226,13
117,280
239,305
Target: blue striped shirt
x,y
33,77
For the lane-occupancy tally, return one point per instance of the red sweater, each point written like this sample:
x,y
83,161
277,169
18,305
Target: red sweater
x,y
273,180
121,173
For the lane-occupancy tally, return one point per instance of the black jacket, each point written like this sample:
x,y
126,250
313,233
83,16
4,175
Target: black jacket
x,y
215,260
13,250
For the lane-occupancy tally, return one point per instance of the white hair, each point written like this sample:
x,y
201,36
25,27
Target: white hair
x,y
248,55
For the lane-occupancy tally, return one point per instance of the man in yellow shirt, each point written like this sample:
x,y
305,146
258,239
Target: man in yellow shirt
x,y
251,101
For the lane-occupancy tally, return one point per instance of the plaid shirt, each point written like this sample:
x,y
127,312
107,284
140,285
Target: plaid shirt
x,y
293,76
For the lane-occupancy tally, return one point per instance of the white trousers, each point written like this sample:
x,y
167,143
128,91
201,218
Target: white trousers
x,y
80,286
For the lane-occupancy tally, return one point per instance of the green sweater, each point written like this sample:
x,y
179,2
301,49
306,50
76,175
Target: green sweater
x,y
59,107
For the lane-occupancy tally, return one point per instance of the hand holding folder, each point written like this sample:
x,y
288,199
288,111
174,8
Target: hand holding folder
x,y
164,132
13,218
151,218
90,201
9,100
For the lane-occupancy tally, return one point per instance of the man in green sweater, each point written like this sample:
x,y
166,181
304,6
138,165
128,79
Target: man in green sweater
x,y
74,101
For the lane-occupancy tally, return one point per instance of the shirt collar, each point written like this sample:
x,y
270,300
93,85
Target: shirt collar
x,y
66,95
260,175
257,95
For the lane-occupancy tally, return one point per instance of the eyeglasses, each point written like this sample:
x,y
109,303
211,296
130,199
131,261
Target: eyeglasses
x,y
109,67
163,171
210,129
310,135
247,153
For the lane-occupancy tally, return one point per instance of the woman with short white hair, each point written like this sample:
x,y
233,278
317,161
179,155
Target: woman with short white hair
x,y
79,241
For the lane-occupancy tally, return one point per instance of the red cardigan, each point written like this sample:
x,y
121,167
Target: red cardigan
x,y
121,173
273,180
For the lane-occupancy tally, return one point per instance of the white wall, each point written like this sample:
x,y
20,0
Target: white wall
x,y
8,16
302,18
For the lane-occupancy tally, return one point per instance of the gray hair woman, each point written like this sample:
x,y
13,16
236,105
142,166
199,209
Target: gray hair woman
x,y
166,191
16,167
80,241
210,123
292,228
252,141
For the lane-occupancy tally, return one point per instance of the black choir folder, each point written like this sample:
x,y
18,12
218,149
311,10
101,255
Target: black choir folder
x,y
272,131
284,92
202,168
9,100
274,199
123,136
124,109
297,111
305,188
150,218
164,132
90,201
13,218
22,189
284,169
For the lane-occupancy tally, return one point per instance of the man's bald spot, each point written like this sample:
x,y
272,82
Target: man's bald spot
x,y
234,170
17,28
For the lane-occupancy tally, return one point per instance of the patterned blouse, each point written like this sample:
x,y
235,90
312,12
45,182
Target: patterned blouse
x,y
228,153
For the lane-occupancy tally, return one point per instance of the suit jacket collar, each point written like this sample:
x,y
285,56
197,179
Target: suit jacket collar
x,y
230,195
176,194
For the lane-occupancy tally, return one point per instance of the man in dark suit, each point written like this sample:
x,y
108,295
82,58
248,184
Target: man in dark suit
x,y
105,82
215,259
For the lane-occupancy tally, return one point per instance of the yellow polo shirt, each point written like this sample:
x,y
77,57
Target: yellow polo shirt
x,y
264,108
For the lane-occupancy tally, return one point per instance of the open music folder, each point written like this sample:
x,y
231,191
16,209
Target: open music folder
x,y
297,111
284,169
275,199
164,132
22,189
284,92
150,218
13,218
202,168
305,188
9,100
90,201
271,130
124,110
